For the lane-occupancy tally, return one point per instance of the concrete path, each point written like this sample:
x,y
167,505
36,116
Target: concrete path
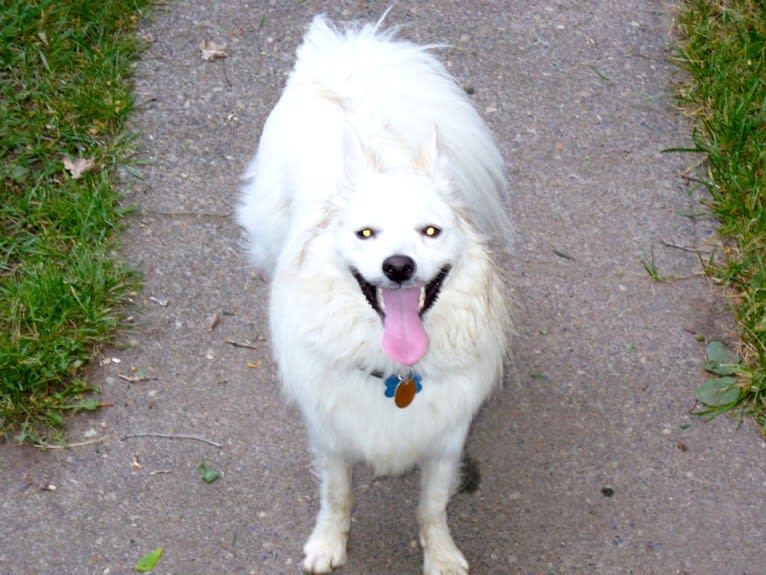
x,y
591,463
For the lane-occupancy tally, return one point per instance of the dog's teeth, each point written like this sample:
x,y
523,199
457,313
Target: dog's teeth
x,y
381,301
422,299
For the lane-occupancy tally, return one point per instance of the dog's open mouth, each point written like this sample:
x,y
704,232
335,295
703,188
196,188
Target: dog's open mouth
x,y
427,296
402,309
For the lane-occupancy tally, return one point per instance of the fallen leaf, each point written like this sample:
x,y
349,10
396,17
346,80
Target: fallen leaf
x,y
78,167
208,475
721,360
563,255
211,50
717,392
149,561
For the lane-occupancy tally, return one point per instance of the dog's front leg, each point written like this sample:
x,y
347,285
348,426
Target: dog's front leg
x,y
440,554
326,548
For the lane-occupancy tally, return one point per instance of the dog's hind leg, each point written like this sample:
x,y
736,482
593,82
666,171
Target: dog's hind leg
x,y
326,548
440,554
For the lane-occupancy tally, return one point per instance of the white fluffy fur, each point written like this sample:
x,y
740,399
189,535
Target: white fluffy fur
x,y
371,131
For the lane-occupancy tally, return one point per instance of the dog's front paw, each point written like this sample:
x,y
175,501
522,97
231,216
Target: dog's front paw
x,y
444,559
454,564
324,551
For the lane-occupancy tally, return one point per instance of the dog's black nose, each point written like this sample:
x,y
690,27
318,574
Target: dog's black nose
x,y
399,268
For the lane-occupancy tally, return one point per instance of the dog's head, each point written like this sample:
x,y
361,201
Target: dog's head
x,y
400,239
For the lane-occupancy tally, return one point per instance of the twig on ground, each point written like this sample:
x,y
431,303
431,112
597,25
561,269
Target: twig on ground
x,y
246,344
77,444
678,247
211,325
172,436
134,378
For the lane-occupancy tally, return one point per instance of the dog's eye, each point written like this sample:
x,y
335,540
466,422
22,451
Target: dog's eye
x,y
431,231
365,233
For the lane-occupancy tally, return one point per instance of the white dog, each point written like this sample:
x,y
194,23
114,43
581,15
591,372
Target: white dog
x,y
371,203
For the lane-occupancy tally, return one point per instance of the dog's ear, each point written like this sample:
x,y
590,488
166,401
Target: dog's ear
x,y
431,159
356,157
352,152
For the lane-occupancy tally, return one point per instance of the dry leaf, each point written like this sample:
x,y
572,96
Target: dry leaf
x,y
211,51
79,166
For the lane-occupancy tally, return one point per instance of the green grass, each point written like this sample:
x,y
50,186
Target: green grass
x,y
64,93
723,48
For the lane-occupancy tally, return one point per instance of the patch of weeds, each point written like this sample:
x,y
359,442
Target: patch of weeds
x,y
65,94
722,393
723,49
650,267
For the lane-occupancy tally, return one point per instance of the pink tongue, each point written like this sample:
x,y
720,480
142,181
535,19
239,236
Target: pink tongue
x,y
404,338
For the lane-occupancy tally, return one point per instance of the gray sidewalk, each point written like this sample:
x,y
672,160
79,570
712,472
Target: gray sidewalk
x,y
591,463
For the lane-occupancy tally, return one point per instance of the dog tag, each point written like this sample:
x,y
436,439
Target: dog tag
x,y
405,393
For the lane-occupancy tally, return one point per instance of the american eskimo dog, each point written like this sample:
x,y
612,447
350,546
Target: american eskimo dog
x,y
372,202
